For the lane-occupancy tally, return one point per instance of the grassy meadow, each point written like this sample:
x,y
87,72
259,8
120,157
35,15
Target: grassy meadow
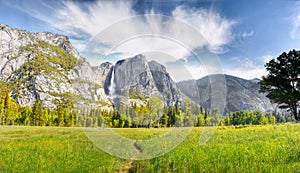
x,y
51,149
272,148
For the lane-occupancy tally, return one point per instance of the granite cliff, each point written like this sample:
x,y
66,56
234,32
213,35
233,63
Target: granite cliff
x,y
46,66
241,94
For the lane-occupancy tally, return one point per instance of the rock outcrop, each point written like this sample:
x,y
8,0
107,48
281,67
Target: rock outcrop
x,y
46,66
241,94
135,73
164,83
138,76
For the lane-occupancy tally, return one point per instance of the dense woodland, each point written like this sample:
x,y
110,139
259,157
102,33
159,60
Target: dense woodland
x,y
153,114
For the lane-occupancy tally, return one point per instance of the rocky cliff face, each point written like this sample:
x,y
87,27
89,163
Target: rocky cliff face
x,y
138,76
164,83
241,94
12,40
133,73
46,66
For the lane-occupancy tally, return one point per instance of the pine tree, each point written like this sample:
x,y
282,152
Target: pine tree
x,y
37,112
7,102
282,82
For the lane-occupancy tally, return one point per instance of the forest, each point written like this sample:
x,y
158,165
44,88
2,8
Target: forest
x,y
154,114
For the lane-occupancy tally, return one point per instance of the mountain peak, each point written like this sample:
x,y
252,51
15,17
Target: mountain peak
x,y
155,66
139,56
255,80
241,94
60,73
4,26
136,58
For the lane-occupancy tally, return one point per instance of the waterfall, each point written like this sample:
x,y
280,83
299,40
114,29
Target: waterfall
x,y
111,87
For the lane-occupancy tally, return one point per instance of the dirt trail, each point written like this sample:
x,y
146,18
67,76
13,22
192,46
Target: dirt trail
x,y
128,167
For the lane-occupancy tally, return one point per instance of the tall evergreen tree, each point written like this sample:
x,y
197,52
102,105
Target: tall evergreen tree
x,y
7,102
37,112
282,83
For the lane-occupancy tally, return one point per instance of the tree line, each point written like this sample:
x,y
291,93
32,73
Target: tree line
x,y
153,114
282,85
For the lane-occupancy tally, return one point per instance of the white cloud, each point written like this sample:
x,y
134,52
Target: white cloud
x,y
295,33
266,58
89,18
147,44
184,71
83,21
201,70
215,28
188,71
247,34
248,68
246,73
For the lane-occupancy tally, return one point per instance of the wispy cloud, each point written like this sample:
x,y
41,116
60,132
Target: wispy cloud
x,y
266,58
247,73
242,67
248,68
82,21
215,28
247,34
185,71
89,18
295,32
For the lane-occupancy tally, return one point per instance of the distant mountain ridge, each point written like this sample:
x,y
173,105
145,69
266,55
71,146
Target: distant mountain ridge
x,y
241,94
46,66
148,78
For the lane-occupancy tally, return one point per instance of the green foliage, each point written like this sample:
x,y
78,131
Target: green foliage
x,y
273,148
47,59
136,94
253,149
153,114
7,101
51,149
282,83
82,81
37,112
56,55
4,89
248,118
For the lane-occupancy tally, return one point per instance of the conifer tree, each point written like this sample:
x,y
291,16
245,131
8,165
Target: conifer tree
x,y
37,112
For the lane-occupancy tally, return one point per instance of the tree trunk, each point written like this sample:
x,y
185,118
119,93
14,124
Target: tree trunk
x,y
295,113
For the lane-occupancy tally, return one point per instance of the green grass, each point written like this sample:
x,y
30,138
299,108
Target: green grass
x,y
273,148
253,149
49,149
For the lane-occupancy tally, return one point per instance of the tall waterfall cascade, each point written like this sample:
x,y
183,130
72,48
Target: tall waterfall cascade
x,y
111,87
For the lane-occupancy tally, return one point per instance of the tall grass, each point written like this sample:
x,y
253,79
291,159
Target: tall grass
x,y
273,148
48,149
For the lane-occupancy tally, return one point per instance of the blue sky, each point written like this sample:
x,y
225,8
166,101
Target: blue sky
x,y
243,34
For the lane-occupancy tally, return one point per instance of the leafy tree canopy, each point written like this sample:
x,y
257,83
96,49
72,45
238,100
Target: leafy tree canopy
x,y
282,84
